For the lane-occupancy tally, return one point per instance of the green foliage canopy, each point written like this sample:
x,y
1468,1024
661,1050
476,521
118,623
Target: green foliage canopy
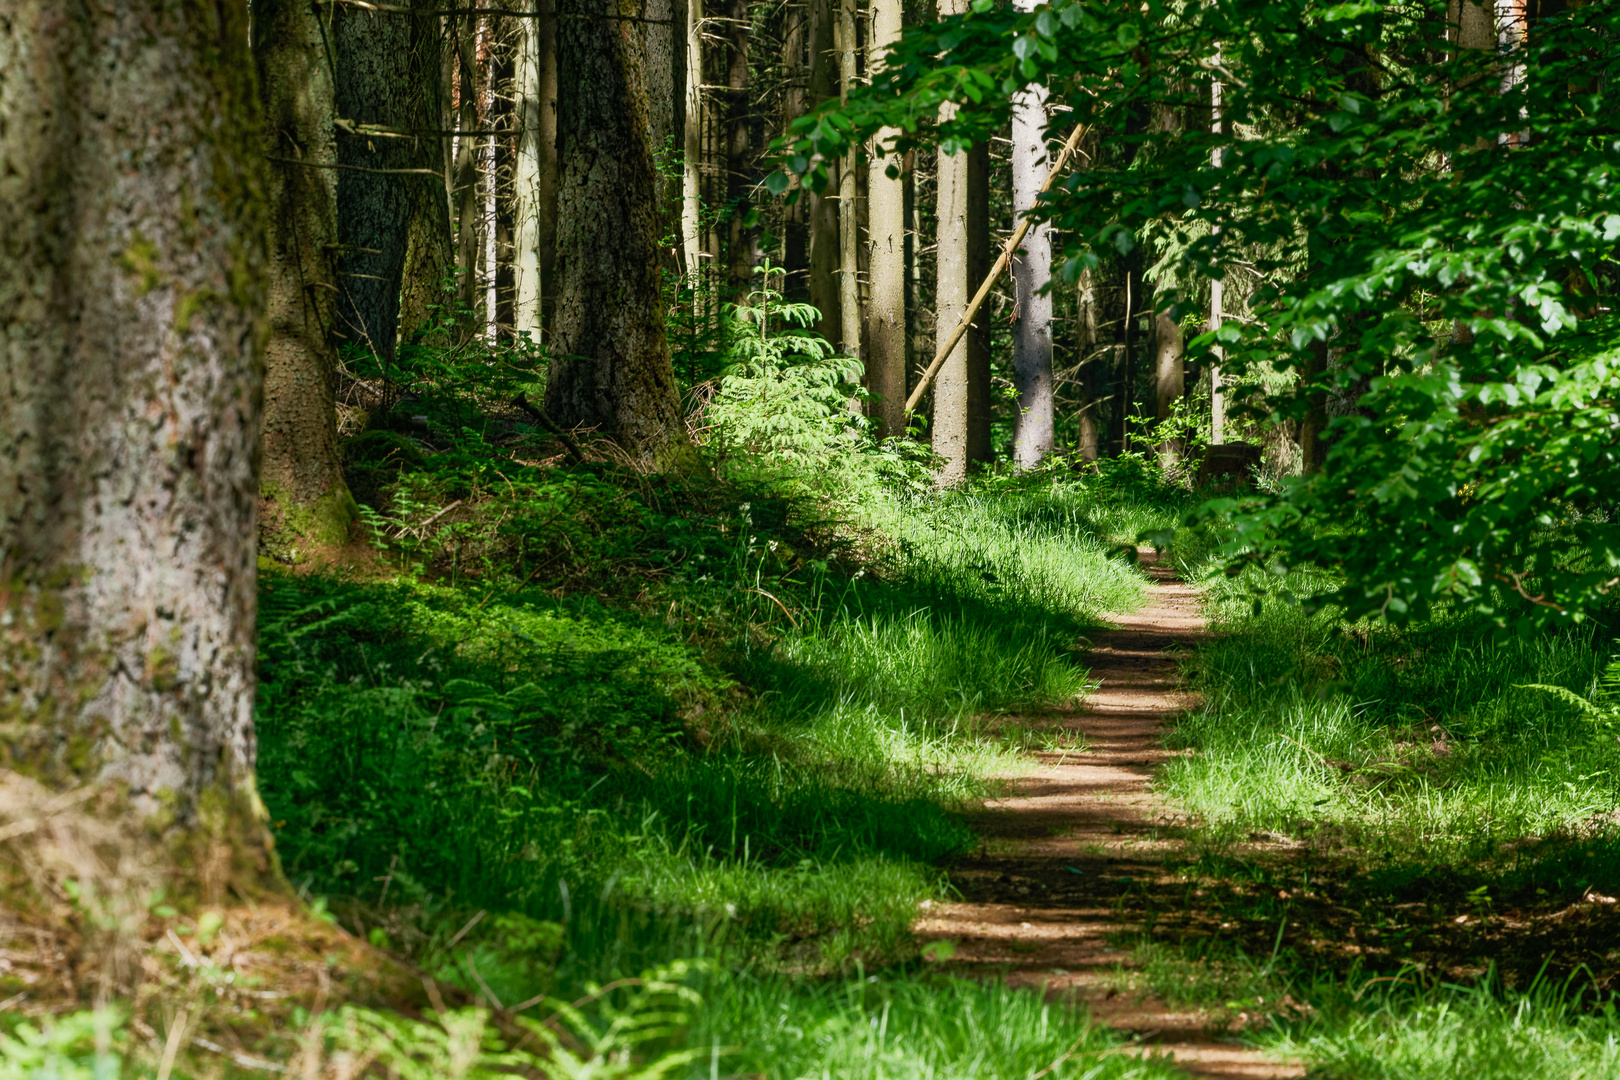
x,y
1435,231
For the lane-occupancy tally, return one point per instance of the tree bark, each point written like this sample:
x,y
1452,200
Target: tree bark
x,y
306,503
465,193
610,356
821,210
367,48
430,256
1087,303
526,107
887,343
692,249
1033,435
849,244
961,420
130,312
740,235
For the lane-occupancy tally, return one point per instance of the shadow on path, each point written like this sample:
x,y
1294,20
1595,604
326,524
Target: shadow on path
x,y
1081,841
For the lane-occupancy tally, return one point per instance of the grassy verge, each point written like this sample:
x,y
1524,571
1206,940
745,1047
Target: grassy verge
x,y
740,732
1402,847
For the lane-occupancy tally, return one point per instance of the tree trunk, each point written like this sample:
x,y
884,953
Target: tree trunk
x,y
610,364
1169,380
821,210
306,503
961,428
130,301
371,89
466,190
740,235
1033,435
692,250
430,255
1090,441
849,243
526,106
887,343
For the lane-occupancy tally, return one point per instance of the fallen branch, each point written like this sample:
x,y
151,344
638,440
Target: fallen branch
x,y
1007,250
522,401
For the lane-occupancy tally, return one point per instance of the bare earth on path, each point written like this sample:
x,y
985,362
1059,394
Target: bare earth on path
x,y
1044,896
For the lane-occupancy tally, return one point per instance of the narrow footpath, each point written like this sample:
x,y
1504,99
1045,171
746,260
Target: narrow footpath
x,y
1080,836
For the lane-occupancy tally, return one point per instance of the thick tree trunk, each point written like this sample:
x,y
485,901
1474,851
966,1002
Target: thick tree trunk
x,y
1033,434
849,243
306,503
821,210
961,421
368,48
610,364
887,343
130,300
430,255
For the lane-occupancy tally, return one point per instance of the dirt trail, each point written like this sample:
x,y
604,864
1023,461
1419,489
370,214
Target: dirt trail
x,y
1043,897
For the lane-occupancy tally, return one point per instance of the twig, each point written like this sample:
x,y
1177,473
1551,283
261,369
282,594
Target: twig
x,y
778,603
472,922
1007,250
434,518
482,985
351,168
241,1059
1065,1056
522,401
171,1046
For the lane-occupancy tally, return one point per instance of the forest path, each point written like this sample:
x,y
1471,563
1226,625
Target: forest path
x,y
1081,838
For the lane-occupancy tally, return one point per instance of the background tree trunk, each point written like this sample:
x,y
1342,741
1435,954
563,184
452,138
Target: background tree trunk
x,y
372,88
740,235
849,244
887,343
1033,434
821,210
527,106
466,188
429,251
610,357
961,428
306,501
692,147
130,301
1088,304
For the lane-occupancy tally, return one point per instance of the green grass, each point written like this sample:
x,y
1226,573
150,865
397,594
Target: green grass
x,y
739,732
1418,743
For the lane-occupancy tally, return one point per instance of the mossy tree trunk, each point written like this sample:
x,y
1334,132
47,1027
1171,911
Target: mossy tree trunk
x,y
306,503
130,342
610,367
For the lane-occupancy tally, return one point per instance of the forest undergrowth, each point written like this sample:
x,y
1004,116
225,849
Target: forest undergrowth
x,y
676,758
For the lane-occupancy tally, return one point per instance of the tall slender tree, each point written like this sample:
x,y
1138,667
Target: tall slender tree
x,y
1033,427
821,208
306,503
527,107
692,230
610,356
961,420
887,342
849,244
130,305
741,233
